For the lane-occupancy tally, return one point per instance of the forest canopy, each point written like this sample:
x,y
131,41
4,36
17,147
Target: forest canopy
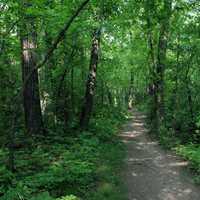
x,y
70,71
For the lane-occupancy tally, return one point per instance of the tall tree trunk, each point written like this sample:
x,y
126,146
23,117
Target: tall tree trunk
x,y
161,56
152,67
31,95
72,89
91,82
175,90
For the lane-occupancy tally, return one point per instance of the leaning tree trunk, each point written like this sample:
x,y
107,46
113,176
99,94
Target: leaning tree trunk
x,y
31,96
91,82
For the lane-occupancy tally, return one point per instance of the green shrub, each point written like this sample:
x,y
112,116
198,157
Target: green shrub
x,y
6,179
70,197
167,138
63,165
17,192
192,153
42,196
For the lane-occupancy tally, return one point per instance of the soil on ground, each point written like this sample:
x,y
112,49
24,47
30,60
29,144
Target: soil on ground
x,y
152,173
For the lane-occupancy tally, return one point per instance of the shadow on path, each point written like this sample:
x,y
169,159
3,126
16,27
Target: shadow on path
x,y
150,172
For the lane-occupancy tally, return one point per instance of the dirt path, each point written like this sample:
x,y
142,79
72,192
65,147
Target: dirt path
x,y
152,173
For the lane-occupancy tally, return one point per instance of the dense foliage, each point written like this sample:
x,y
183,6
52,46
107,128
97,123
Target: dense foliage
x,y
85,165
69,70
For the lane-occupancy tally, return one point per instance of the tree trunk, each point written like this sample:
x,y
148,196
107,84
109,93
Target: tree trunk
x,y
131,91
109,95
175,90
31,95
72,90
91,82
161,56
152,74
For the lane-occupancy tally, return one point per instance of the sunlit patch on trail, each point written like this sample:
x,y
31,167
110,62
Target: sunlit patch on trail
x,y
153,173
179,164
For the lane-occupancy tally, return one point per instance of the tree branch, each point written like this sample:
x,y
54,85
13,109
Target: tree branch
x,y
58,39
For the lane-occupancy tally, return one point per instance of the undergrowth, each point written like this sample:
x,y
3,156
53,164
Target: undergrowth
x,y
71,166
191,152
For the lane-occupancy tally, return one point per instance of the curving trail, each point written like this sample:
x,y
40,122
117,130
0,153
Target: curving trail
x,y
152,173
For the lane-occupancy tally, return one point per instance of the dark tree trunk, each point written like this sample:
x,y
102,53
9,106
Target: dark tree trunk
x,y
175,90
161,57
91,82
31,95
72,89
109,95
152,74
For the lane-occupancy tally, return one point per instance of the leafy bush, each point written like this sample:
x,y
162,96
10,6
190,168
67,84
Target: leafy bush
x,y
6,179
17,192
42,196
192,153
64,165
167,137
106,123
70,197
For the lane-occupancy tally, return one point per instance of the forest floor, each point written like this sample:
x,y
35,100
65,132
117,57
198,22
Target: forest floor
x,y
152,173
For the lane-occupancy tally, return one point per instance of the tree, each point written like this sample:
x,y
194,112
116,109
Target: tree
x,y
31,94
161,56
91,82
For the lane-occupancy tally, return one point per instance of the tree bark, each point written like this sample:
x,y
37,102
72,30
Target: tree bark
x,y
161,57
91,82
152,69
31,95
57,40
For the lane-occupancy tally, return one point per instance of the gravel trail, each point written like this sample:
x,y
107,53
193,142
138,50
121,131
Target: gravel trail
x,y
152,173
